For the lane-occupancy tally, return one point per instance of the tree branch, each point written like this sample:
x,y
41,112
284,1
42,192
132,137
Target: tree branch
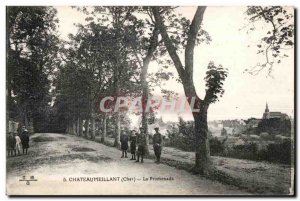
x,y
192,36
169,45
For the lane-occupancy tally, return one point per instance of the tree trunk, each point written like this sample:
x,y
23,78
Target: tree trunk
x,y
86,128
80,127
144,102
77,126
118,120
145,127
104,129
9,98
74,127
145,87
118,132
93,133
70,127
93,116
185,72
68,130
203,164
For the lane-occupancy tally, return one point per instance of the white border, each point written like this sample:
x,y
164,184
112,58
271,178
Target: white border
x,y
4,3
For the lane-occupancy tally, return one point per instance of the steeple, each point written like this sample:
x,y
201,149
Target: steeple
x,y
266,114
267,108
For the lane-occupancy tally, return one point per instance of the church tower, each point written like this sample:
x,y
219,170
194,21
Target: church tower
x,y
266,113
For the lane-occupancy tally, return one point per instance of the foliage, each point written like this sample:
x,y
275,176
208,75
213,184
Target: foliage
x,y
182,136
216,146
279,35
280,153
32,46
277,152
223,132
215,77
247,151
275,126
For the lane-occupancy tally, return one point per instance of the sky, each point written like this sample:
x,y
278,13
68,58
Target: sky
x,y
245,95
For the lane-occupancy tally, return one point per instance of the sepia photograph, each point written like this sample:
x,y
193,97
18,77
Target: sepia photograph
x,y
150,100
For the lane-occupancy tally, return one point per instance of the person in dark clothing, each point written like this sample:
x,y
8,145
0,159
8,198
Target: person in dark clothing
x,y
11,145
124,144
157,141
141,141
133,144
25,141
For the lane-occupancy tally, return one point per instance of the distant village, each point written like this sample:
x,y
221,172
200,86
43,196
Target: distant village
x,y
273,127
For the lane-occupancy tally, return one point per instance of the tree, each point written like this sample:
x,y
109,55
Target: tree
x,y
32,46
87,72
215,78
92,49
71,95
146,47
134,47
101,49
143,49
130,32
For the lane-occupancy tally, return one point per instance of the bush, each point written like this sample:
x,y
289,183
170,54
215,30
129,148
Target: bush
x,y
182,136
280,153
216,146
247,151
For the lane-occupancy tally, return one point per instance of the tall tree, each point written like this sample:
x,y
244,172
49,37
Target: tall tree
x,y
145,47
215,77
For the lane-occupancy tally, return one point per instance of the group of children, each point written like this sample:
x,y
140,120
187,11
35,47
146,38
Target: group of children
x,y
138,144
15,143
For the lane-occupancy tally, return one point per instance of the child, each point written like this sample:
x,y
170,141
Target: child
x,y
124,144
141,141
11,145
18,143
25,141
133,144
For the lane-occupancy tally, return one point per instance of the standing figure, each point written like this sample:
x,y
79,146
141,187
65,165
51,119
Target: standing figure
x,y
133,144
141,141
157,141
25,141
18,143
11,145
124,144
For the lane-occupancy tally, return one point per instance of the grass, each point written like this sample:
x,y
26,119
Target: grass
x,y
221,176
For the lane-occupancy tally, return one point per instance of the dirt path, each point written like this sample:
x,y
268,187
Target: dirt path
x,y
64,164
